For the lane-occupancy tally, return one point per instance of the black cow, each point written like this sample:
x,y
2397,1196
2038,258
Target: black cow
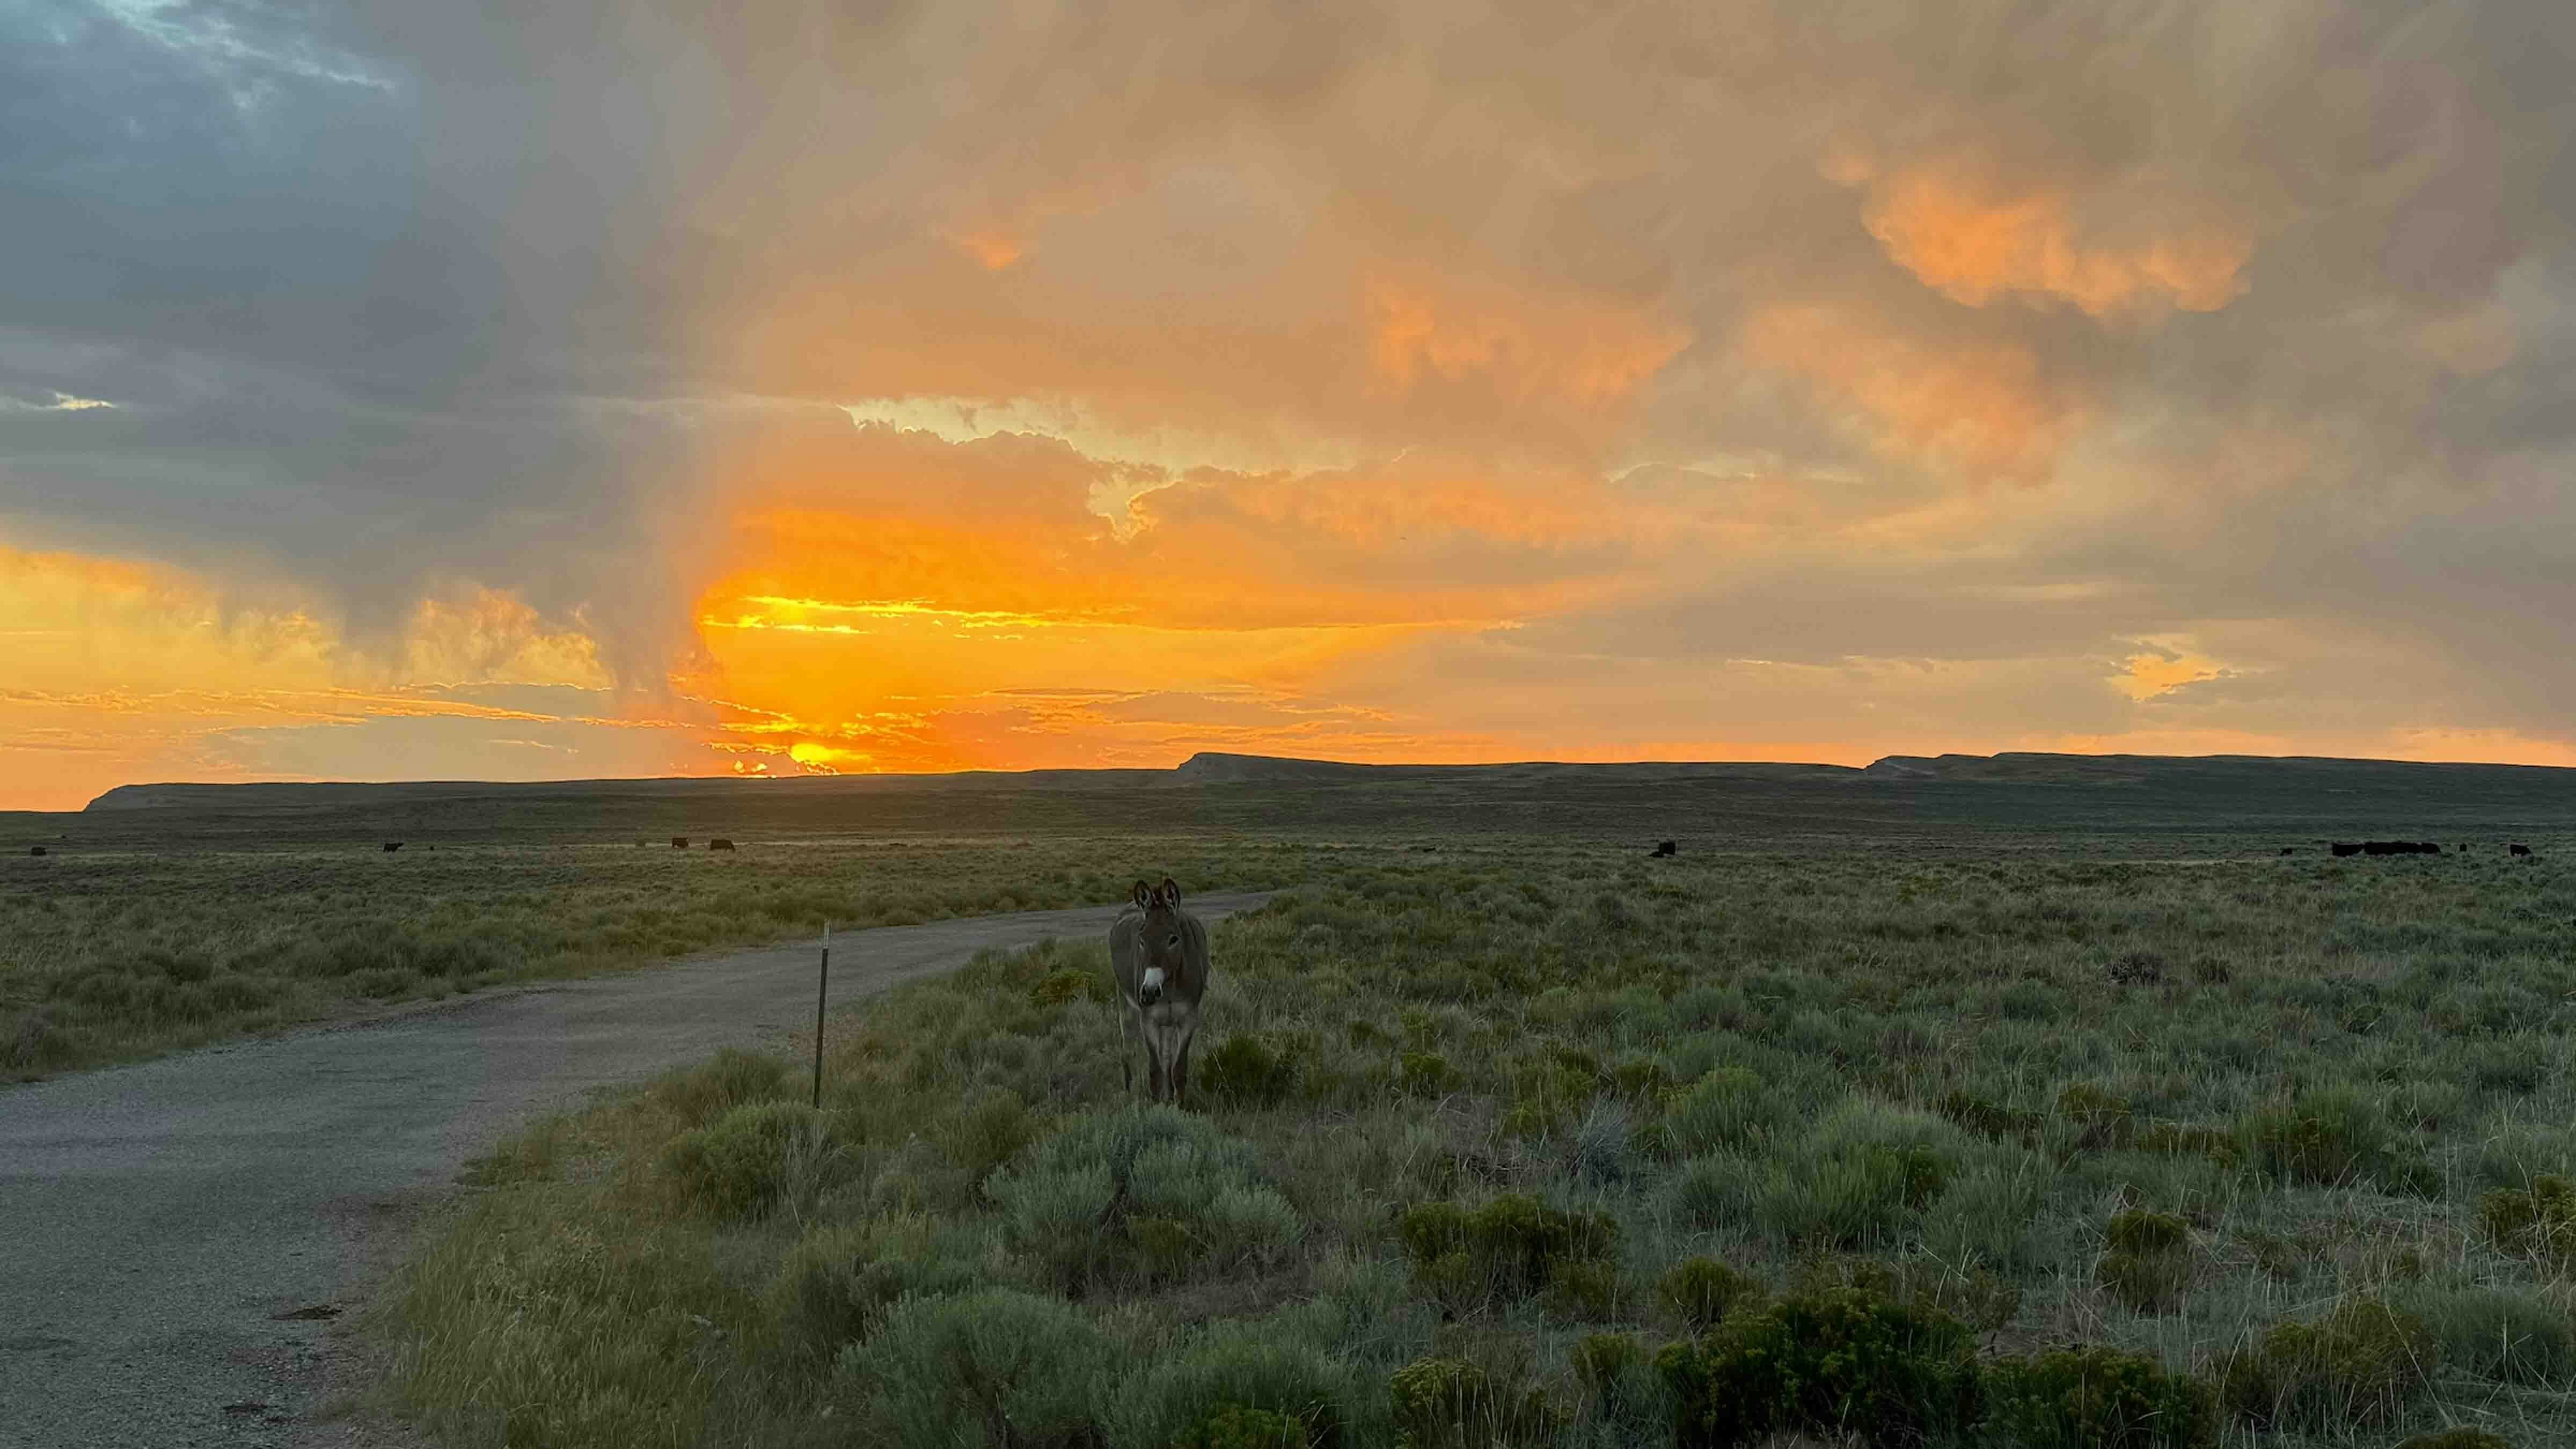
x,y
719,843
2519,849
2343,848
2289,850
1666,847
35,850
679,842
392,845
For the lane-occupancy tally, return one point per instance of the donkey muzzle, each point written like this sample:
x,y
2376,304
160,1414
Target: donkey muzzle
x,y
1151,989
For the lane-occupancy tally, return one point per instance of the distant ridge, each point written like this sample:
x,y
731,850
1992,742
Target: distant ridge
x,y
2261,773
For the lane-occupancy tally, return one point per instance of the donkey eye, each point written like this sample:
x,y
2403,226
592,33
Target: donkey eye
x,y
1171,940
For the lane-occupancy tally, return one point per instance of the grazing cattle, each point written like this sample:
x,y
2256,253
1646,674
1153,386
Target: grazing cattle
x,y
2343,848
2519,849
679,842
719,843
2289,850
1666,847
1158,954
392,845
35,850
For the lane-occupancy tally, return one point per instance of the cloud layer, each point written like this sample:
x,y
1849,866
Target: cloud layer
x,y
915,386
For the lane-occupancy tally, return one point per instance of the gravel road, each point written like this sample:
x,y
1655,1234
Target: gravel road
x,y
176,1236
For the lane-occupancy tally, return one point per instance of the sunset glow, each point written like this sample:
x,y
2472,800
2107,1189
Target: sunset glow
x,y
1065,388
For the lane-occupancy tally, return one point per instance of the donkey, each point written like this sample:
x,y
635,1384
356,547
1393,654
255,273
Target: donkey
x,y
1159,953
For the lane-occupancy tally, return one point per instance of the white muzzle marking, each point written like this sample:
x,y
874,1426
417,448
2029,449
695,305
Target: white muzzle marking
x,y
1153,988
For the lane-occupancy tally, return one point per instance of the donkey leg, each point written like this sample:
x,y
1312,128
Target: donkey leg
x,y
1181,1065
1133,1028
1157,1071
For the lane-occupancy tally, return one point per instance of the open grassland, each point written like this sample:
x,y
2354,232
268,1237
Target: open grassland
x,y
1526,1143
151,928
120,950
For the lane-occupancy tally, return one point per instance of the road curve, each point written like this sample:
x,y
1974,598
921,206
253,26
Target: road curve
x,y
162,1224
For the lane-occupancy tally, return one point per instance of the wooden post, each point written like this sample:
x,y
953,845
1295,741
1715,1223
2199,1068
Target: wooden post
x,y
822,982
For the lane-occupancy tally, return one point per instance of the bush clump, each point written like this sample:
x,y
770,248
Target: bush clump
x,y
737,1166
1701,1291
1265,1370
2096,1398
2327,1136
1449,1403
1234,1426
1511,1247
1841,1361
2147,1264
1069,984
2537,1222
1143,1194
1247,1070
1427,1074
2518,1336
2100,1117
1725,1110
1600,1360
995,1366
2357,1365
837,1284
732,1078
1989,1119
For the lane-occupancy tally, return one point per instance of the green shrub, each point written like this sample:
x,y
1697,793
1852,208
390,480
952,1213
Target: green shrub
x,y
1701,1291
2357,1365
838,1282
737,1166
1727,1109
1142,1193
986,1130
2101,1118
1600,1360
2537,1222
2517,1336
2096,1398
995,1366
732,1078
1988,1119
2138,1231
2148,1264
1233,1426
1262,1367
1842,1361
2326,1137
1067,984
2144,1282
1246,1070
1427,1074
1511,1247
1448,1403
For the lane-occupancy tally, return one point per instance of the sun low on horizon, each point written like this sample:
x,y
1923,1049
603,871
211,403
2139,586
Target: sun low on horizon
x,y
593,391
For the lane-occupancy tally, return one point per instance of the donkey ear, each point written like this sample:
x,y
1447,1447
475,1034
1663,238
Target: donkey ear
x,y
1144,896
1171,892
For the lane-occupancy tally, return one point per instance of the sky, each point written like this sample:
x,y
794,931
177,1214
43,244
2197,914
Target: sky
x,y
567,390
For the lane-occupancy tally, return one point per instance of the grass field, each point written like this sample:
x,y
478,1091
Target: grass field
x,y
1981,1136
120,952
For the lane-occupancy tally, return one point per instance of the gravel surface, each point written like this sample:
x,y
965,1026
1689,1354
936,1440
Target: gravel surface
x,y
178,1237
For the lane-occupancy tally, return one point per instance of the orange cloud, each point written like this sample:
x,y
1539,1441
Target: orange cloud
x,y
1984,409
1590,353
2142,677
1973,243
